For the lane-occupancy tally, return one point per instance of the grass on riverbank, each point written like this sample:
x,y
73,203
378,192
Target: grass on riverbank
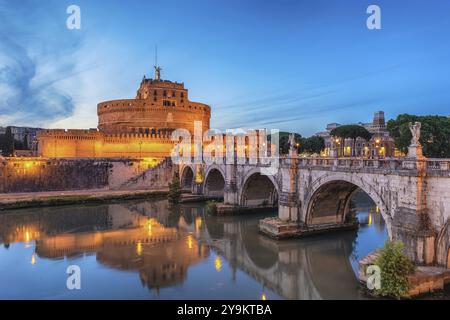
x,y
80,199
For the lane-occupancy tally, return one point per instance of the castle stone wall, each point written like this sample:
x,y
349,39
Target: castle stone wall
x,y
95,144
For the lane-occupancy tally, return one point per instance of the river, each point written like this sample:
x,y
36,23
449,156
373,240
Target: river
x,y
146,250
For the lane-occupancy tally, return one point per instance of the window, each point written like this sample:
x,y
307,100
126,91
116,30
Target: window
x,y
173,94
168,103
165,93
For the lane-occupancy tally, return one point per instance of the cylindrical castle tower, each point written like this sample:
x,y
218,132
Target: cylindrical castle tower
x,y
160,106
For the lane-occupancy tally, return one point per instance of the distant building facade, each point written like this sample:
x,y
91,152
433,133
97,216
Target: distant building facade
x,y
27,136
139,127
380,145
25,140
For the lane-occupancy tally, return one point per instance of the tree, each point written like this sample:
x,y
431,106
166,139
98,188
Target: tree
x,y
434,138
174,194
8,144
311,145
395,267
351,132
211,207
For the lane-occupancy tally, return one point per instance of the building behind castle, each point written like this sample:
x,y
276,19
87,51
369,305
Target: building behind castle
x,y
139,127
380,145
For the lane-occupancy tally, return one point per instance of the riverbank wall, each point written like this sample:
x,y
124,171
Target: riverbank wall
x,y
13,201
19,175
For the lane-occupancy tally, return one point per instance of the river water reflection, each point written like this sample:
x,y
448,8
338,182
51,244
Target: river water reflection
x,y
144,250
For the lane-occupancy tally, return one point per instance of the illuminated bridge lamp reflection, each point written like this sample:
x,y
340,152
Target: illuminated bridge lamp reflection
x,y
190,241
218,264
263,297
370,219
198,224
139,248
33,259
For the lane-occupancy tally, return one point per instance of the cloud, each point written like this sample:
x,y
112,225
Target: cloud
x,y
32,60
305,103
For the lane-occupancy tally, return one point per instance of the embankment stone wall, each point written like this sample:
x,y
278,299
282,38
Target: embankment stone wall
x,y
41,174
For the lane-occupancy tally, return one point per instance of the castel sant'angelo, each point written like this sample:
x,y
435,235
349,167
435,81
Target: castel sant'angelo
x,y
139,127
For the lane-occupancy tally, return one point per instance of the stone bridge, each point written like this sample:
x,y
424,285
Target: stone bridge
x,y
412,195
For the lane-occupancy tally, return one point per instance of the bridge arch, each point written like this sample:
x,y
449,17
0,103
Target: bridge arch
x,y
187,177
214,181
443,246
258,189
328,200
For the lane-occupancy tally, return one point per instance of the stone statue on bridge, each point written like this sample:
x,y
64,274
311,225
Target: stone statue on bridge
x,y
415,132
415,148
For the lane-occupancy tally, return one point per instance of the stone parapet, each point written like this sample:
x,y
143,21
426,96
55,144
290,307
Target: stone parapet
x,y
400,166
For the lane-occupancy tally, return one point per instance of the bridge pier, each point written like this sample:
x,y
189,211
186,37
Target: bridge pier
x,y
413,228
412,225
230,192
288,208
197,188
288,204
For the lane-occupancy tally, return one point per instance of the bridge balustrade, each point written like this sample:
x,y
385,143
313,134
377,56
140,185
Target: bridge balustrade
x,y
437,164
348,163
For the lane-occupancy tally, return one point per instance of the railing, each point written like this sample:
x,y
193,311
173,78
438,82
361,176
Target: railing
x,y
386,164
438,164
382,164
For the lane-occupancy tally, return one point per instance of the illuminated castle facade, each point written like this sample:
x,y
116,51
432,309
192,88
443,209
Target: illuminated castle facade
x,y
131,128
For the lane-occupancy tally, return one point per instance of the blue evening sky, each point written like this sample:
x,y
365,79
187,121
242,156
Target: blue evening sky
x,y
290,65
